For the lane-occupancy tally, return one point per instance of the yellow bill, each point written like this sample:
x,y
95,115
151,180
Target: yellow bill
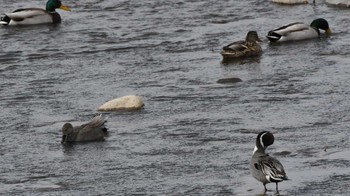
x,y
63,7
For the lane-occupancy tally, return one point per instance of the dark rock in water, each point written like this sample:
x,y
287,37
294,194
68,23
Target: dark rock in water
x,y
283,153
229,80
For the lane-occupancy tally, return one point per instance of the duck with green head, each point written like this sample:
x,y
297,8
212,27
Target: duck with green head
x,y
33,16
299,31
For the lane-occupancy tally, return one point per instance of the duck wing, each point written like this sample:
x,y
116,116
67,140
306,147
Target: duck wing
x,y
97,121
293,27
293,31
271,168
95,129
235,46
21,14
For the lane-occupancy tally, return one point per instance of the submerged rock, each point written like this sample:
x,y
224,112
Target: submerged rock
x,y
229,80
282,153
130,102
290,1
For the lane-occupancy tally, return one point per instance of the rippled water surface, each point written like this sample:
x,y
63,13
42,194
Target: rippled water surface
x,y
194,136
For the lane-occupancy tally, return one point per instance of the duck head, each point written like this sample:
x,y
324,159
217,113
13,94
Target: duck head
x,y
67,131
252,36
263,140
321,23
52,5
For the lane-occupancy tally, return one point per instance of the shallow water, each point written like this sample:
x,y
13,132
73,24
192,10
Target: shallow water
x,y
194,136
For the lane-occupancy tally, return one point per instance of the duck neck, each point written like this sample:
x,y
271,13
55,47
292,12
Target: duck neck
x,y
317,30
258,150
251,43
259,145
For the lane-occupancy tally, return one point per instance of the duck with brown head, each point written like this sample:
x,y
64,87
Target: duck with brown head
x,y
94,130
241,49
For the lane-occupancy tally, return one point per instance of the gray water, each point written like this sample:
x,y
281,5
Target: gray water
x,y
194,136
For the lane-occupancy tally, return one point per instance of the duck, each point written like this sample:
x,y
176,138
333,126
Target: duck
x,y
299,31
263,167
241,49
94,130
34,16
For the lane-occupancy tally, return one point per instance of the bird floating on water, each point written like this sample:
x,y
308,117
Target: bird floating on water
x,y
241,49
263,167
94,130
299,31
34,16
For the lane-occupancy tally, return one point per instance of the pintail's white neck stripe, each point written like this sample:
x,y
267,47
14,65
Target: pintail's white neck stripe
x,y
255,149
261,140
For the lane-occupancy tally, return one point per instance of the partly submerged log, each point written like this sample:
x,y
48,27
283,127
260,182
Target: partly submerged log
x,y
229,80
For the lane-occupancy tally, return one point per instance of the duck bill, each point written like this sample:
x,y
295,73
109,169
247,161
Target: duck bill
x,y
63,7
328,32
259,40
64,139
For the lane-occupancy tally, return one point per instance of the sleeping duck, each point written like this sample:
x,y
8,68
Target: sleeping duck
x,y
94,130
299,31
241,49
33,16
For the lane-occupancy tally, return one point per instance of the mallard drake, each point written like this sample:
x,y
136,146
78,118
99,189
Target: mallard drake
x,y
263,167
241,49
33,16
94,130
299,31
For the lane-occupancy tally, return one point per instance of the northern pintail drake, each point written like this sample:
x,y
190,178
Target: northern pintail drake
x,y
263,167
94,130
240,49
34,16
299,31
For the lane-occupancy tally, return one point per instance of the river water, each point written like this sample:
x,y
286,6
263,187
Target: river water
x,y
194,136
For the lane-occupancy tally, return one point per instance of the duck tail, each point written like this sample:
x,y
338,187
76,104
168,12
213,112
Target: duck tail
x,y
98,121
5,20
273,36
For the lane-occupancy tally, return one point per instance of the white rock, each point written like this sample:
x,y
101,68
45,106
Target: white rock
x,y
340,3
130,102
